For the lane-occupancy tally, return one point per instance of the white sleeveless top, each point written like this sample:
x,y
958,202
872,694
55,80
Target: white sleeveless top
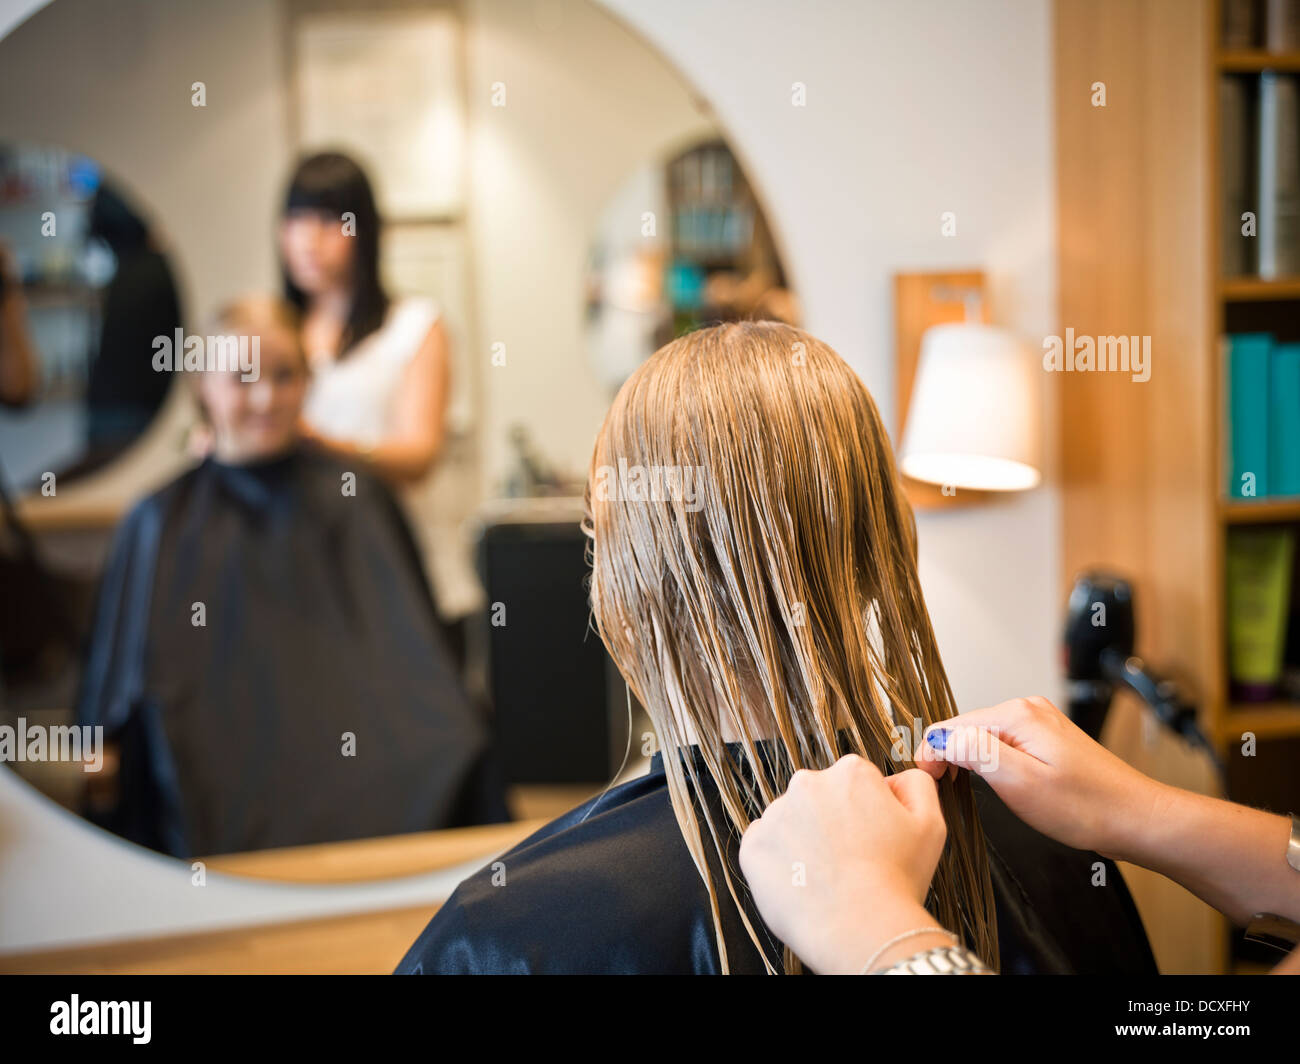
x,y
352,399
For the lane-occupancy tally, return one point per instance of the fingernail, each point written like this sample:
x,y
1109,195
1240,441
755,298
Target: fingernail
x,y
937,738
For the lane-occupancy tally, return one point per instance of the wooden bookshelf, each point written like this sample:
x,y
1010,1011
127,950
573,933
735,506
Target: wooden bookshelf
x,y
1256,61
1142,464
1258,289
1265,719
1264,511
1228,720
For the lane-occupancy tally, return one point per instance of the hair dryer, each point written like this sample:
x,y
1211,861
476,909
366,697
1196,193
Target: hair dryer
x,y
1099,660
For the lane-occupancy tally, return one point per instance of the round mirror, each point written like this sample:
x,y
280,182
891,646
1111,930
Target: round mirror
x,y
545,203
683,243
87,287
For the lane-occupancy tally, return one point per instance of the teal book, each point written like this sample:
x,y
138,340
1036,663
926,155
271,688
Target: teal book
x,y
1248,379
1284,421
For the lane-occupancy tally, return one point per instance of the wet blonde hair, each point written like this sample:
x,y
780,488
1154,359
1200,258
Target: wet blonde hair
x,y
783,603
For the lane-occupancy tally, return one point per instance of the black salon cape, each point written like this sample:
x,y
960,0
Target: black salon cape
x,y
610,888
319,622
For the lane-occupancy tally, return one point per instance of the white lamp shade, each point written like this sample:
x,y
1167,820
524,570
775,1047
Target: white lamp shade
x,y
974,419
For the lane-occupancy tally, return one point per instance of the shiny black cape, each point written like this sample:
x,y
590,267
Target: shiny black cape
x,y
319,622
610,888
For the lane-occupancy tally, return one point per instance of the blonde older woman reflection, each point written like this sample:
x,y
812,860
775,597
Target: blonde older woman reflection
x,y
265,650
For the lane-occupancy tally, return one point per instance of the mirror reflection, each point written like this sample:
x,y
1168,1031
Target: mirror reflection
x,y
294,465
88,285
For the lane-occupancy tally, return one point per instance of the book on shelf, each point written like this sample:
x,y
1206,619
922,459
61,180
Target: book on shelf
x,y
1273,25
1237,178
1257,567
1240,28
1248,436
1263,417
1284,420
1281,25
1279,175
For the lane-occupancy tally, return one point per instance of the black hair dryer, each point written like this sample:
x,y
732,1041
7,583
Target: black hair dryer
x,y
1099,660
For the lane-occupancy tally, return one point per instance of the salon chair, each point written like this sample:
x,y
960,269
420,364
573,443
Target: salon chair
x,y
558,712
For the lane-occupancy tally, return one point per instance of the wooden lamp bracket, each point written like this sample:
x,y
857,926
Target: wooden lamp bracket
x,y
920,301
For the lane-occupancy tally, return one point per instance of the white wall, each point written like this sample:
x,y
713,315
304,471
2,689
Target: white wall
x,y
211,176
586,105
914,107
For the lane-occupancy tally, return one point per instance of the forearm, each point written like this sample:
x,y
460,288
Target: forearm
x,y
401,462
397,461
17,359
1228,855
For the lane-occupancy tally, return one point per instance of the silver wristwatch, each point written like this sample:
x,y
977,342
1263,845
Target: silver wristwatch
x,y
941,960
1269,928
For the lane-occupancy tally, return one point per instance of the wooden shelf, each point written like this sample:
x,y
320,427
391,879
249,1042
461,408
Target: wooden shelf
x,y
1256,61
1265,719
376,859
1145,259
1262,511
1258,289
367,943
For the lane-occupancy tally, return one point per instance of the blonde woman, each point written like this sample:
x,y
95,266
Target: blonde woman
x,y
257,611
754,579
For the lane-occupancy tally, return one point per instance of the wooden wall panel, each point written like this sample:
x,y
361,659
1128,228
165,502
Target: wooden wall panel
x,y
1135,248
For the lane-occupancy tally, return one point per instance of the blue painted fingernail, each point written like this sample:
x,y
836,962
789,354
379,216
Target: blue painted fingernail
x,y
937,738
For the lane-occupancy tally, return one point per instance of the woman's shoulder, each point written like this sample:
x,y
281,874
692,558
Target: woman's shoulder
x,y
414,314
609,886
406,324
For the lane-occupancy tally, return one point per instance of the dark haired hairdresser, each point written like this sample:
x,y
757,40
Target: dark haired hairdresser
x,y
870,843
381,373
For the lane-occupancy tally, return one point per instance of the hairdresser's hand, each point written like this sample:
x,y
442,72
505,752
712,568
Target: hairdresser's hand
x,y
1050,774
199,441
842,862
1059,781
308,436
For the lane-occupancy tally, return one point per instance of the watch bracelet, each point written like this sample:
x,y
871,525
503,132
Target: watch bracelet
x,y
938,960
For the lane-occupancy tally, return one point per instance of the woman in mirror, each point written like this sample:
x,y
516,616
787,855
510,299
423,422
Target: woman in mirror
x,y
265,650
754,578
381,370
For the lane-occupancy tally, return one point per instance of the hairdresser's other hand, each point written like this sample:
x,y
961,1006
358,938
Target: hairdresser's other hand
x,y
1051,775
309,437
842,862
